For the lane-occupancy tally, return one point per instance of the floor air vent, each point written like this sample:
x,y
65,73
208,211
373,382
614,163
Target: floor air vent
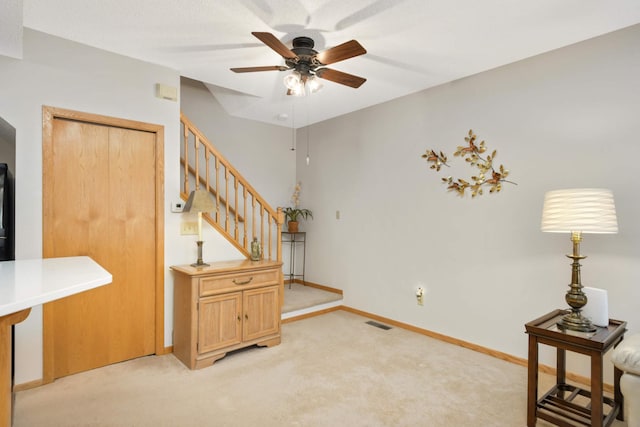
x,y
378,325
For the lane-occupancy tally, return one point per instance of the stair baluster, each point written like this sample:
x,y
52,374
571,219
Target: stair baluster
x,y
235,226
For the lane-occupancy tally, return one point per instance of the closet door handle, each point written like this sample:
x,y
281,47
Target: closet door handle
x,y
246,282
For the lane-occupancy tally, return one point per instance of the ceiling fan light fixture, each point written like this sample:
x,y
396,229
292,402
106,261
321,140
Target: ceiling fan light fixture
x,y
298,90
314,84
292,81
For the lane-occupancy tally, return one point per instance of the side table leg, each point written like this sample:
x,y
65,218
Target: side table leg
x,y
596,390
532,382
292,260
617,394
304,256
561,369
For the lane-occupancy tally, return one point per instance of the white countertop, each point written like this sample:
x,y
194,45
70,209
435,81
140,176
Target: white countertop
x,y
27,283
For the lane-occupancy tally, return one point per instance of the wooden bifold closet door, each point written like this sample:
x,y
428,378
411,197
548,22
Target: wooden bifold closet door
x,y
100,198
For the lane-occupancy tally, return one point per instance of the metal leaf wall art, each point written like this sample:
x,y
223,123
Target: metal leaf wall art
x,y
472,153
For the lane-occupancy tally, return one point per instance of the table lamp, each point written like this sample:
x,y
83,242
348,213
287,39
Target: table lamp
x,y
199,201
577,211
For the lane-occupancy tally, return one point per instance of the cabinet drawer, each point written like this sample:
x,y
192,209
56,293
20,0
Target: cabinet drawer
x,y
237,281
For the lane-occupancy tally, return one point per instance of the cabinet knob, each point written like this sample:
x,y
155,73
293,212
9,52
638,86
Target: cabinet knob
x,y
246,282
239,318
246,316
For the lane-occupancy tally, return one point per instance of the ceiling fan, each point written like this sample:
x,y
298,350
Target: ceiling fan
x,y
308,64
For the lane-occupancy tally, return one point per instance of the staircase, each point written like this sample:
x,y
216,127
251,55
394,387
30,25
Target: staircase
x,y
241,214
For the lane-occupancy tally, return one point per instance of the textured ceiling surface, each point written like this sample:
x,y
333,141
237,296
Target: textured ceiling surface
x,y
411,44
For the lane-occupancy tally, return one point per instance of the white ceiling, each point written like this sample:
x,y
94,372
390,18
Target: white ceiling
x,y
411,44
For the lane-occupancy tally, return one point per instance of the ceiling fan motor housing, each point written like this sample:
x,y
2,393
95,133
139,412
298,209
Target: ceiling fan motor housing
x,y
306,61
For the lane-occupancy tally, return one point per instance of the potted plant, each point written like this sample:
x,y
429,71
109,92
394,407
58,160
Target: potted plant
x,y
292,215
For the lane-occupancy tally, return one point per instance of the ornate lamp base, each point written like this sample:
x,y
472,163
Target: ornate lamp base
x,y
576,322
199,262
575,297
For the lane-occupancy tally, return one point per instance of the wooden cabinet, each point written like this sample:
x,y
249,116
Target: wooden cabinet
x,y
224,307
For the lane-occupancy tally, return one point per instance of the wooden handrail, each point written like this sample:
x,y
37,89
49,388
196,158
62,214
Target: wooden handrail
x,y
258,220
213,192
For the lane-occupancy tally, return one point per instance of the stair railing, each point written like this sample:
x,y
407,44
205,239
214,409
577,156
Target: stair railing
x,y
241,214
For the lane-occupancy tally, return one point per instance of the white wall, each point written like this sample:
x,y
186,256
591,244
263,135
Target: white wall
x,y
563,119
259,151
68,75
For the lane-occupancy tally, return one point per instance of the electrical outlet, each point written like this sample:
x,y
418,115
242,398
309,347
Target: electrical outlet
x,y
420,295
188,227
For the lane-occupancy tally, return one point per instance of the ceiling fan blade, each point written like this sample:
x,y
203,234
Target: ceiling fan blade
x,y
341,52
340,77
252,69
375,8
275,44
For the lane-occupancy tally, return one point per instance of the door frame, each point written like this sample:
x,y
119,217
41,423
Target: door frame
x,y
49,114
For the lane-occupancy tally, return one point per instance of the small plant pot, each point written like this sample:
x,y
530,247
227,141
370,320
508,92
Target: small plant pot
x,y
293,226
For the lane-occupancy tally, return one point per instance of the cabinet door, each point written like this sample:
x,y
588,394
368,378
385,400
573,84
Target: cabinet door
x,y
219,321
261,312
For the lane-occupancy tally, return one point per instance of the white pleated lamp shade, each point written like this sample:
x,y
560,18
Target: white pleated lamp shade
x,y
587,210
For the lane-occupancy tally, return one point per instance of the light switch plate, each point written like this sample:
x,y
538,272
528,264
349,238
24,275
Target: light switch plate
x,y
188,227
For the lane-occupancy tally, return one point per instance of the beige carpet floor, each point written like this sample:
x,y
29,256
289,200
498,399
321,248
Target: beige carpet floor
x,y
298,297
330,370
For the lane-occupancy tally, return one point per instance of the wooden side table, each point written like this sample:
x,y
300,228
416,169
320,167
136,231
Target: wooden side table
x,y
295,238
564,404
